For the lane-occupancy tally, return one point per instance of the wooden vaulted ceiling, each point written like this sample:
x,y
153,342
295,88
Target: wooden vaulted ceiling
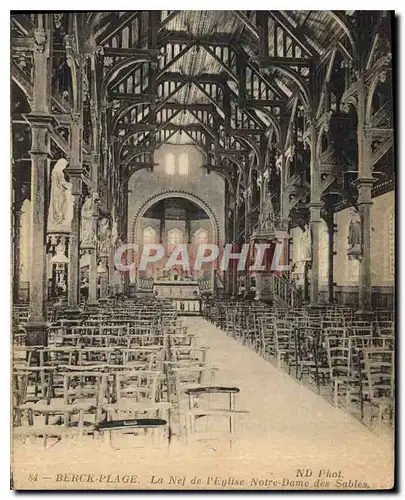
x,y
200,53
233,83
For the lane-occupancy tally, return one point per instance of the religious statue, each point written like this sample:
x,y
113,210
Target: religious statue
x,y
306,244
355,250
60,253
60,213
104,237
61,285
114,230
266,218
88,235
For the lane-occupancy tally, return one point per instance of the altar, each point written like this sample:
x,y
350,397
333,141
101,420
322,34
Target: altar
x,y
176,289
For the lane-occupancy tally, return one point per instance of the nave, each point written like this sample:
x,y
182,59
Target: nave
x,y
264,138
284,425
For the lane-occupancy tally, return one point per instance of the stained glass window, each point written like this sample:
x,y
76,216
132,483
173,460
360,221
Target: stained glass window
x,y
200,237
174,237
149,235
170,164
183,164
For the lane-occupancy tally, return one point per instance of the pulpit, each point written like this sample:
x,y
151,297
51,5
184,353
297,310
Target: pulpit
x,y
266,261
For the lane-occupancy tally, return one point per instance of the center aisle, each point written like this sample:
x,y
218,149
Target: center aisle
x,y
288,425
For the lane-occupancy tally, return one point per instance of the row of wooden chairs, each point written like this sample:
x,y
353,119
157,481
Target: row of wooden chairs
x,y
124,368
330,347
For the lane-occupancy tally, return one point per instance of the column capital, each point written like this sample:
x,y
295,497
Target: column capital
x,y
74,172
315,204
315,211
42,120
364,182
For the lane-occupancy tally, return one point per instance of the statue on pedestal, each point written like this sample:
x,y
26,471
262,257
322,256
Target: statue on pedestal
x,y
104,237
266,217
60,213
88,234
355,249
306,244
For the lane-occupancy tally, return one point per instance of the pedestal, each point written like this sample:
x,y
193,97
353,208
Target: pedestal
x,y
102,272
264,291
92,297
37,334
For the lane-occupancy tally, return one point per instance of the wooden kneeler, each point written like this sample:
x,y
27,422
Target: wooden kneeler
x,y
131,426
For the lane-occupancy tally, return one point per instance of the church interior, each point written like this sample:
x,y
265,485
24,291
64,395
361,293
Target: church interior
x,y
203,129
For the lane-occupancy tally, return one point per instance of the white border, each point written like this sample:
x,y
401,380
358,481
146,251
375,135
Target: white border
x,y
5,170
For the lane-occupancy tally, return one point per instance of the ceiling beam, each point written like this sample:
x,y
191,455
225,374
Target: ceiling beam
x,y
205,126
23,23
253,103
183,37
166,99
137,127
295,33
135,98
182,53
169,18
198,145
247,22
293,61
219,60
116,27
21,43
203,78
148,54
194,107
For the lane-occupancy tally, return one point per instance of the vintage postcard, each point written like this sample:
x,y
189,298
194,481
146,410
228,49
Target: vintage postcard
x,y
203,250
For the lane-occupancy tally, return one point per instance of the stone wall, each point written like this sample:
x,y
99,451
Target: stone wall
x,y
208,188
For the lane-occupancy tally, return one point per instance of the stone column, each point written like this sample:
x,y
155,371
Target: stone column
x,y
364,203
74,253
331,253
248,211
364,182
92,301
17,212
103,272
41,122
235,234
37,328
93,278
315,219
74,170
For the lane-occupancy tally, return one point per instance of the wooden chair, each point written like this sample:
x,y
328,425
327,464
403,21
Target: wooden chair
x,y
86,388
267,344
339,359
282,342
200,408
62,426
380,369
